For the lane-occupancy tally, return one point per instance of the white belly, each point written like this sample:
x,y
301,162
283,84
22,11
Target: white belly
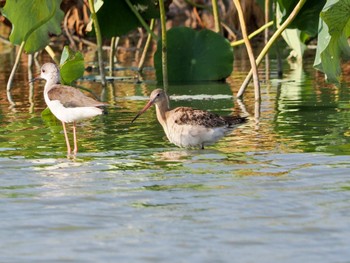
x,y
189,136
72,114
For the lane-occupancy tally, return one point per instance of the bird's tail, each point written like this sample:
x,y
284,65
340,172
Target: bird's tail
x,y
235,120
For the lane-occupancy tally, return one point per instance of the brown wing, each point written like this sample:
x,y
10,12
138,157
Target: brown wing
x,y
189,116
71,97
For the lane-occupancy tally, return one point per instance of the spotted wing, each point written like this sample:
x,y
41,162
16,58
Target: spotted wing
x,y
71,97
194,117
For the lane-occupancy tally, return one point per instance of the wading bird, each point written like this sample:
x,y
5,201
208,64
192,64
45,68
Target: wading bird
x,y
67,103
187,127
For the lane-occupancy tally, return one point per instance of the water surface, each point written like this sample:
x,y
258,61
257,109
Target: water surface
x,y
276,191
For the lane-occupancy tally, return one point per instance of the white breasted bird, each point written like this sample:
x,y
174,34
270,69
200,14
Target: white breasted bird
x,y
187,127
67,103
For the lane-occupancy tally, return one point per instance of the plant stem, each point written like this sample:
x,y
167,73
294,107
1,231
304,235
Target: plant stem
x,y
114,43
267,14
164,45
214,3
99,42
279,31
256,32
266,38
148,42
31,85
52,54
249,50
14,68
142,21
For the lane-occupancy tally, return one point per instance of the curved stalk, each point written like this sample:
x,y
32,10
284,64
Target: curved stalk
x,y
279,31
216,15
144,52
13,71
99,42
249,49
255,33
18,57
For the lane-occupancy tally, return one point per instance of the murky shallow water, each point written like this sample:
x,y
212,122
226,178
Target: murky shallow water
x,y
277,192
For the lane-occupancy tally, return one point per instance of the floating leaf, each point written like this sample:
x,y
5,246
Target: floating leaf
x,y
333,38
33,22
71,65
195,56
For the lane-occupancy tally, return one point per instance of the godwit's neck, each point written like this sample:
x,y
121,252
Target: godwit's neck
x,y
161,109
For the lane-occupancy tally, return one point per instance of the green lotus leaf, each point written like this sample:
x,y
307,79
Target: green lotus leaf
x,y
33,22
333,45
71,65
116,18
195,56
307,18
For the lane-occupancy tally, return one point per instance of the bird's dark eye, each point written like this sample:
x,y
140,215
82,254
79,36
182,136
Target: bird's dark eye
x,y
43,71
158,94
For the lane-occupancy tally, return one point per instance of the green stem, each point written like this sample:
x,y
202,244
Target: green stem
x,y
216,15
114,43
142,21
20,51
99,42
164,45
279,31
15,66
255,33
144,52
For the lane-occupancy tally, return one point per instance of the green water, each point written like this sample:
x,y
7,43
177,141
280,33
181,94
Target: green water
x,y
273,191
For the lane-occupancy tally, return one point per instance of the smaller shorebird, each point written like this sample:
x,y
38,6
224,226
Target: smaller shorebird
x,y
68,104
187,127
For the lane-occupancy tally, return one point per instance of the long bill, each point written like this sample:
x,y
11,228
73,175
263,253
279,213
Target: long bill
x,y
147,106
35,79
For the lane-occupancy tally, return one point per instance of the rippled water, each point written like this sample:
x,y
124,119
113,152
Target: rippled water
x,y
273,192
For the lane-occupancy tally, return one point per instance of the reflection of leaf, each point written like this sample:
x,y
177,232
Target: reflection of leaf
x,y
116,19
345,188
71,65
195,56
42,16
48,117
333,38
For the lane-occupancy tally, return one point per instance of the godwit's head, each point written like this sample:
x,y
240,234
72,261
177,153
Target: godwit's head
x,y
157,97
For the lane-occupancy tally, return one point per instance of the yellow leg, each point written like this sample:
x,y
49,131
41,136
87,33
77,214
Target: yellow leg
x,y
66,137
75,138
